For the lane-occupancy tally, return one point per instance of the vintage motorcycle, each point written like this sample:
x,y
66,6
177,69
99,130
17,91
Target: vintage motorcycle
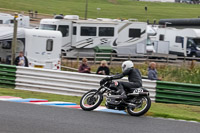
x,y
137,102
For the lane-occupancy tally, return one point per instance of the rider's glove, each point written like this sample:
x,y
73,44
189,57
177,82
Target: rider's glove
x,y
105,79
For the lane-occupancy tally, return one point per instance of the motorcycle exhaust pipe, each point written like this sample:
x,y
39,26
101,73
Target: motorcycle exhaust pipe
x,y
139,94
144,94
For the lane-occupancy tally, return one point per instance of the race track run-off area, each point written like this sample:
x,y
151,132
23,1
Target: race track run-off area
x,y
32,116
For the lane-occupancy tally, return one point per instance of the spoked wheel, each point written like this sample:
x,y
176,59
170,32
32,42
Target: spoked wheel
x,y
143,104
89,102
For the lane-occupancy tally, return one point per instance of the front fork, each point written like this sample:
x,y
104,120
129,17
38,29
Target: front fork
x,y
99,91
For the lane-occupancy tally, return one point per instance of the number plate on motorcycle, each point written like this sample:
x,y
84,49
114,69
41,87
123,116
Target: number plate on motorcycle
x,y
138,90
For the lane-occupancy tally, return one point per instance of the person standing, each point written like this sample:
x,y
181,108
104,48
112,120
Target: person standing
x,y
103,68
21,60
152,72
84,68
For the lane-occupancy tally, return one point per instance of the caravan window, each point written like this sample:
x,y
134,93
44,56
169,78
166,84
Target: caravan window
x,y
197,42
135,33
179,39
47,27
1,21
64,29
49,46
88,31
106,31
193,42
12,21
161,37
6,44
74,30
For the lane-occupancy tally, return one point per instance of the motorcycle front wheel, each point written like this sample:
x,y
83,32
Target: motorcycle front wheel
x,y
89,102
143,104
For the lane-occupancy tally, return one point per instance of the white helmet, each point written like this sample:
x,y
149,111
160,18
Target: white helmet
x,y
127,64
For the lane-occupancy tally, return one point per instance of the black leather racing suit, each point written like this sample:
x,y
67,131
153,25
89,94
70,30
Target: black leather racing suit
x,y
134,77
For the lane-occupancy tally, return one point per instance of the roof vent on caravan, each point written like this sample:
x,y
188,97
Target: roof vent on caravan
x,y
71,17
58,17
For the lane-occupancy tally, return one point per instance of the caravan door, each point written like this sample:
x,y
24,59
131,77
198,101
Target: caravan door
x,y
66,30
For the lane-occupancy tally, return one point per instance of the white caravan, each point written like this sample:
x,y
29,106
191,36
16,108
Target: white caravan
x,y
41,47
125,37
23,21
182,42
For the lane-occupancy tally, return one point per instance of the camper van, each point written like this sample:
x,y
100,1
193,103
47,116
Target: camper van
x,y
23,21
5,18
41,47
182,42
125,37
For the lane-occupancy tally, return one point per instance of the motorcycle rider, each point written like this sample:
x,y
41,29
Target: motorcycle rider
x,y
134,77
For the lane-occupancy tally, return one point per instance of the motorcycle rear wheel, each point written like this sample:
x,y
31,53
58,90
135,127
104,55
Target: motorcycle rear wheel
x,y
142,106
88,102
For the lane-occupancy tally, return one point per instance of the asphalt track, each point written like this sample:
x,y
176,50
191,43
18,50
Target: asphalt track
x,y
31,118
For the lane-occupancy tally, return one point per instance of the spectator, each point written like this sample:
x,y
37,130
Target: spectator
x,y
21,60
152,72
84,68
103,68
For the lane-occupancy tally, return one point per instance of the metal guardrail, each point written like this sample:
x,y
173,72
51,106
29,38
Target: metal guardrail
x,y
64,82
179,93
74,83
7,76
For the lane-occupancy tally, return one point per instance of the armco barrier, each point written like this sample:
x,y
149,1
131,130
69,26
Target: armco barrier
x,y
64,82
73,83
170,92
7,76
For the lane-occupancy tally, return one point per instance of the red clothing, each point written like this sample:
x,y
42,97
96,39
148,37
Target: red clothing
x,y
84,68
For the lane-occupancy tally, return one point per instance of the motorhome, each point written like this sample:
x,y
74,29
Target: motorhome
x,y
41,47
23,21
182,42
5,18
125,37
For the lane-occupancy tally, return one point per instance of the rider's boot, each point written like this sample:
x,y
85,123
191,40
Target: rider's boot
x,y
123,95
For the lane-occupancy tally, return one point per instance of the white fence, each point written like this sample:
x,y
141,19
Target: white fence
x,y
64,82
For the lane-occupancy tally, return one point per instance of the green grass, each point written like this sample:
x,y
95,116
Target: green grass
x,y
177,111
109,8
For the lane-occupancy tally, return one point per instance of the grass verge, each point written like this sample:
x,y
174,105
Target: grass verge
x,y
123,9
176,111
